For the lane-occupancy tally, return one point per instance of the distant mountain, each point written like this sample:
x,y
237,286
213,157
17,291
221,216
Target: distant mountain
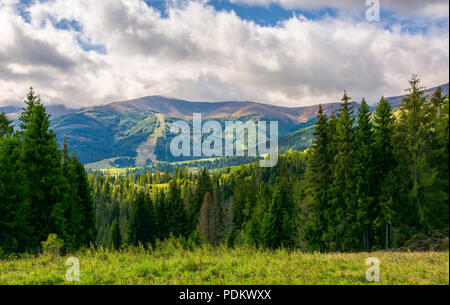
x,y
136,132
55,111
139,129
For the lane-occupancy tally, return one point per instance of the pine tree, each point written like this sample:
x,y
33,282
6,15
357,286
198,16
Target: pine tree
x,y
43,180
411,150
385,172
116,235
79,201
442,158
342,192
14,207
316,211
278,224
365,177
162,215
142,227
178,222
6,128
30,101
437,157
202,186
72,213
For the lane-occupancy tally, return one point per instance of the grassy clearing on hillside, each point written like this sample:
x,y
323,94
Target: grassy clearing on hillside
x,y
204,265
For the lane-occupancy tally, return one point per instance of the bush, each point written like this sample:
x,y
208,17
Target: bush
x,y
53,245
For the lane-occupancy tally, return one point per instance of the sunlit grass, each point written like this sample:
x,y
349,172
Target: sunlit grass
x,y
170,264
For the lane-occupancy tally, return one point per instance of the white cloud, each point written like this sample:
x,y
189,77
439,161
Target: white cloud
x,y
200,54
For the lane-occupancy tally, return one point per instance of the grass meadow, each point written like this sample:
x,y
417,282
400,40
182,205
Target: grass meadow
x,y
172,264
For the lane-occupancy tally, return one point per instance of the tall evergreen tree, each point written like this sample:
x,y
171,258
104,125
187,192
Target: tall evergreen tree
x,y
342,192
385,171
365,177
437,157
142,227
410,147
278,224
43,179
162,215
6,128
14,207
116,235
30,101
80,215
316,212
178,222
202,186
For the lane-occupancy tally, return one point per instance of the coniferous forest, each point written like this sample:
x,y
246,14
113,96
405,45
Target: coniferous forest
x,y
371,181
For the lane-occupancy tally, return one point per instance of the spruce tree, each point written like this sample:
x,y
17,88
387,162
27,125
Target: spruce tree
x,y
278,224
437,157
142,226
178,222
116,235
14,207
80,213
43,179
6,128
202,186
417,175
364,177
30,101
342,191
162,215
316,211
386,185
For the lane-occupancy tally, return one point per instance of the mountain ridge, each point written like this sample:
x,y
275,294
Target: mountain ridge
x,y
138,129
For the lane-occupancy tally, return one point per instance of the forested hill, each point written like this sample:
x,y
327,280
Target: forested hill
x,y
371,181
139,129
136,132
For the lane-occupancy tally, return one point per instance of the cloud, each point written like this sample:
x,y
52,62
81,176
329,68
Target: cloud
x,y
195,52
432,8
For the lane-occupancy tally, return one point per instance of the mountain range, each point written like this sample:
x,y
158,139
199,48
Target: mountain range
x,y
136,132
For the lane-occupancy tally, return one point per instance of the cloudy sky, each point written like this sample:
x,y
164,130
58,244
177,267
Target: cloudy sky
x,y
283,52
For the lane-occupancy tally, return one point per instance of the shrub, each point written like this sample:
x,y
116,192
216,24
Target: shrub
x,y
53,245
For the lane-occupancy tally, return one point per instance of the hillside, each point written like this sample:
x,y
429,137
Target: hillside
x,y
136,132
139,129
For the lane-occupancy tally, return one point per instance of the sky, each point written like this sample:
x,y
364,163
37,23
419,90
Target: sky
x,y
283,52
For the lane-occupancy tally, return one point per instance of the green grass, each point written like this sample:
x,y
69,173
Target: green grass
x,y
204,265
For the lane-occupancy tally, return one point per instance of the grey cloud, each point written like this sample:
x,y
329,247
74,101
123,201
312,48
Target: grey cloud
x,y
28,50
199,54
401,6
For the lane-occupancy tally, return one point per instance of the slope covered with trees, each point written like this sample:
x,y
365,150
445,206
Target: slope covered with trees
x,y
372,180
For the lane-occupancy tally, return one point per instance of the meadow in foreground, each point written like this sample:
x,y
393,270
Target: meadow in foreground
x,y
172,264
